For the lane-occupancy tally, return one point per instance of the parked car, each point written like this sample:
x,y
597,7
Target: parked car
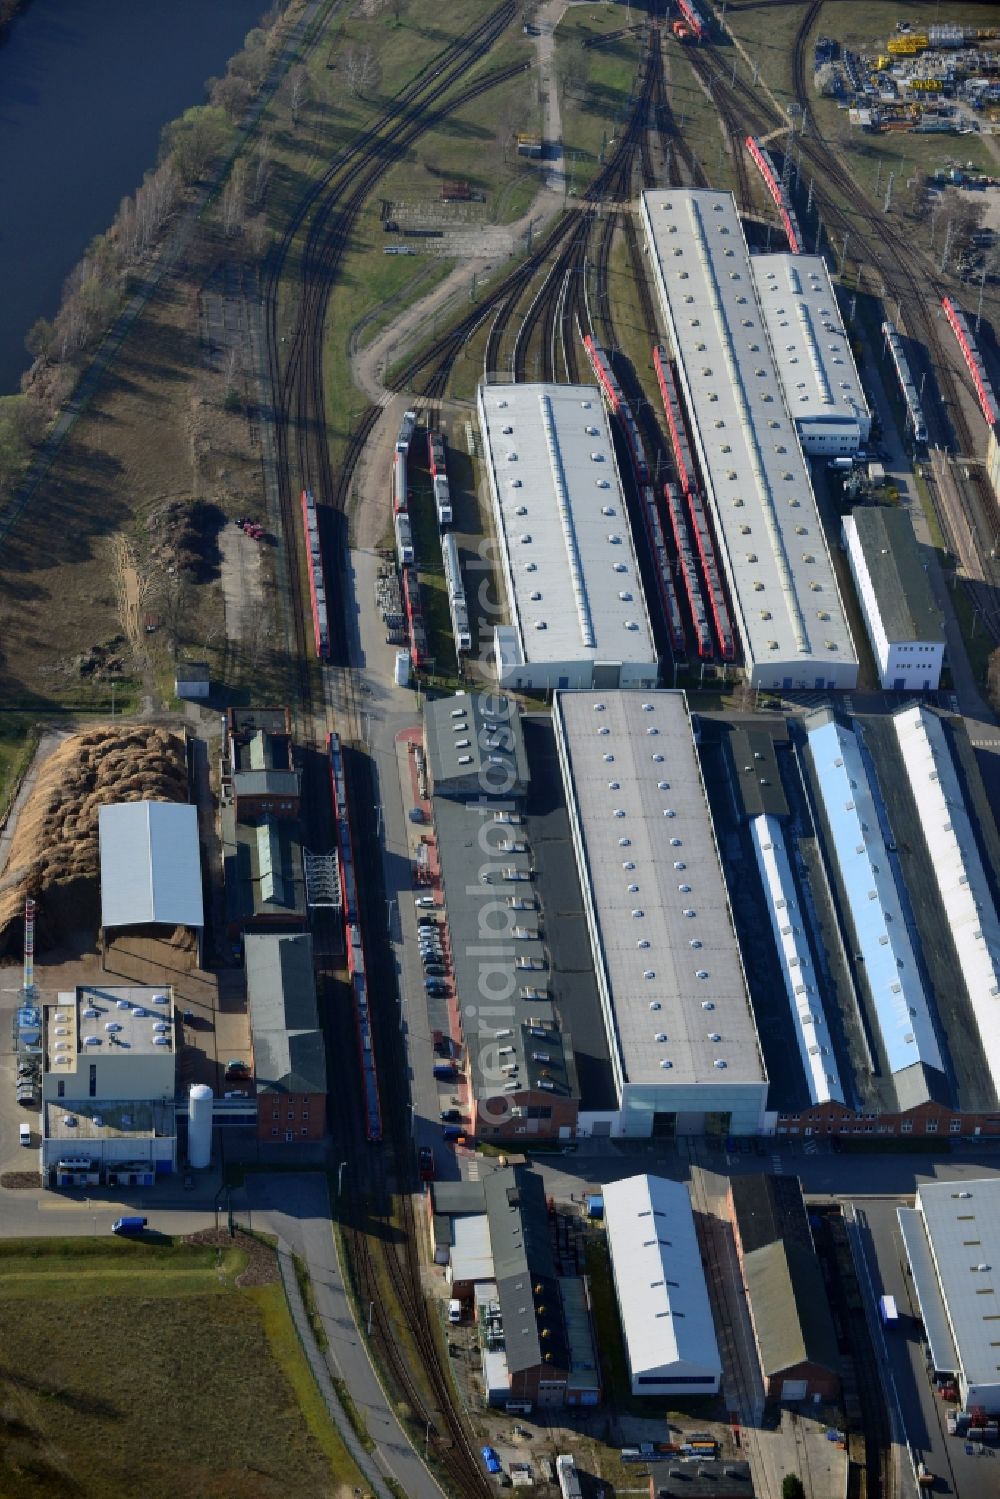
x,y
426,920
424,900
451,1116
425,1163
492,1461
435,971
452,1133
436,989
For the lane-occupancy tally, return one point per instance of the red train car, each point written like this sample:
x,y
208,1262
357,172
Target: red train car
x,y
973,359
435,455
354,941
762,160
664,573
692,18
689,573
683,461
415,620
317,584
615,397
724,633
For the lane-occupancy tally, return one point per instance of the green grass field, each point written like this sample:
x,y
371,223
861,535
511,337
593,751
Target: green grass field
x,y
593,108
142,1368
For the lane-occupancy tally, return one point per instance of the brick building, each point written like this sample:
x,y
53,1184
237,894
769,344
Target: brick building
x,y
289,1056
794,1336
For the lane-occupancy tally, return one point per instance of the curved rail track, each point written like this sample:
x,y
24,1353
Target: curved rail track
x,y
901,275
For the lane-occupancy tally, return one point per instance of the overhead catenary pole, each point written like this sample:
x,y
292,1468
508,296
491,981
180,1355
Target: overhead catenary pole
x,y
888,193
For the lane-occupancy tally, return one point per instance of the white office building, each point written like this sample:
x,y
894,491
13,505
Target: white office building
x,y
574,599
904,624
684,1049
660,1285
780,575
812,354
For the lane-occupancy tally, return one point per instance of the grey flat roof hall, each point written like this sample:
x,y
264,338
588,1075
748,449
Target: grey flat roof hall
x,y
773,550
288,1048
809,342
961,1220
892,556
674,977
562,525
150,865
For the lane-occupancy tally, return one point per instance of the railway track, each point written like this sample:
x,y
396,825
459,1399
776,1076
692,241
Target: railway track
x,y
902,276
376,1267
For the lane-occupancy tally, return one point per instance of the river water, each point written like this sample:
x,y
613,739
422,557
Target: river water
x,y
86,86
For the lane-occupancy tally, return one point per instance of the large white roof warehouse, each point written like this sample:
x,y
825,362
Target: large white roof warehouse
x,y
660,1285
150,865
676,1009
574,596
781,580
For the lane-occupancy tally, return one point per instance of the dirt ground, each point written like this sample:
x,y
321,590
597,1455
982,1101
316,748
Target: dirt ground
x,y
157,435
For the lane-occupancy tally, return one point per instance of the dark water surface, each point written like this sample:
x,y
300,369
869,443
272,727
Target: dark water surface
x,y
86,86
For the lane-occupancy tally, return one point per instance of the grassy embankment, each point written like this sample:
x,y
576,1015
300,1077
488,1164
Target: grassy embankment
x,y
147,1360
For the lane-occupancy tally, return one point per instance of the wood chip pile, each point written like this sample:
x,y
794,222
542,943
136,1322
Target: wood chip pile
x,y
55,847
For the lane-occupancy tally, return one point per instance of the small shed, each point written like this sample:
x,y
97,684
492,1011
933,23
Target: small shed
x,y
192,679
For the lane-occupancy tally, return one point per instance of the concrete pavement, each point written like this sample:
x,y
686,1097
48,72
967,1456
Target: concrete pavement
x,y
297,1208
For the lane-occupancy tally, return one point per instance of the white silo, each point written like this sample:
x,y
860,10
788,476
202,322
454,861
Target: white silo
x,y
200,1126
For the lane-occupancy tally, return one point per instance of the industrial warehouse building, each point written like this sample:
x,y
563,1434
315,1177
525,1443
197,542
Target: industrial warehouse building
x,y
793,1329
535,1334
660,1285
901,851
150,866
577,614
108,1079
904,624
778,569
289,1054
684,1049
533,1039
812,353
952,1241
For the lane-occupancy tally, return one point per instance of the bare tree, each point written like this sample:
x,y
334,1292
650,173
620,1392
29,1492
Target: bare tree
x,y
506,130
40,341
571,69
298,91
361,70
262,171
234,201
993,678
232,94
234,373
258,235
196,139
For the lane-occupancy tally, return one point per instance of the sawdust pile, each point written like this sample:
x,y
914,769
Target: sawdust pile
x,y
55,854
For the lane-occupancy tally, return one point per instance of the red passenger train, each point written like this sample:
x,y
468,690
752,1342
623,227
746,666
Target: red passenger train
x,y
689,573
615,397
973,359
354,941
762,160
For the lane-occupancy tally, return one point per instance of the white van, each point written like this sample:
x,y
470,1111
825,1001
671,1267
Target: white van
x,y
454,1311
24,1133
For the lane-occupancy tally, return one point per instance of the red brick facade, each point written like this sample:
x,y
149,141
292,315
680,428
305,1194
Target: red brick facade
x,y
930,1119
291,1118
